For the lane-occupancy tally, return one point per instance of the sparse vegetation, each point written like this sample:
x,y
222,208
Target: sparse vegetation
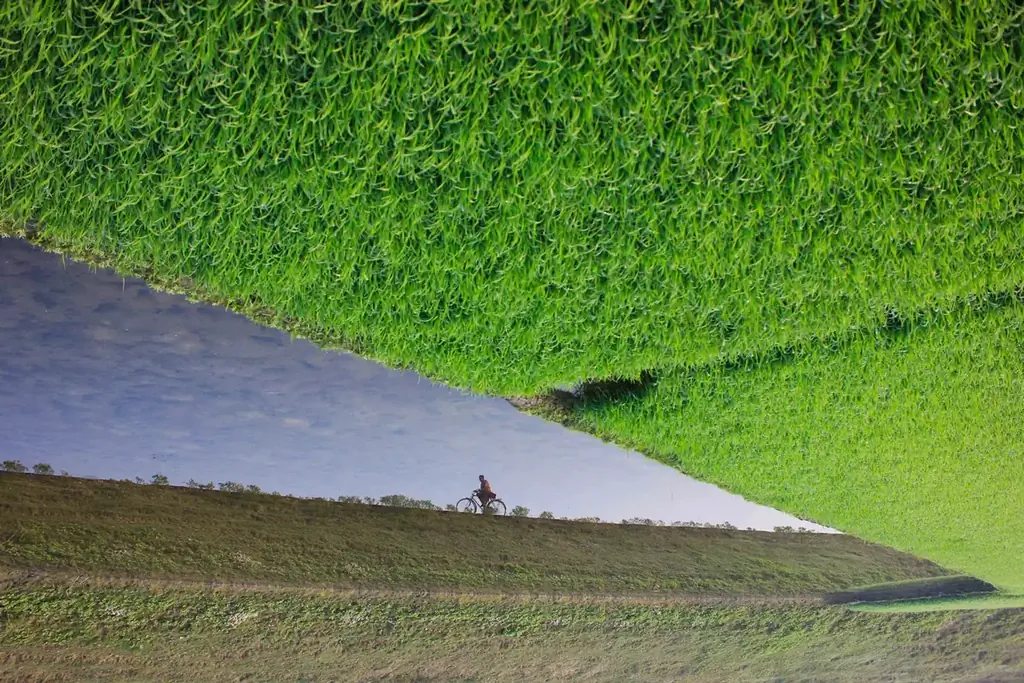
x,y
183,533
13,466
42,468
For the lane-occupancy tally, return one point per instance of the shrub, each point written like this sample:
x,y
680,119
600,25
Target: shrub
x,y
42,468
352,500
644,521
399,501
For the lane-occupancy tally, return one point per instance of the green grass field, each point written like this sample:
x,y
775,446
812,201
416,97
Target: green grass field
x,y
913,438
507,196
119,582
511,196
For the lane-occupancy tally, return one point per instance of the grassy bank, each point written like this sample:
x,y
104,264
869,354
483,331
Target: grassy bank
x,y
115,581
909,437
89,526
121,633
511,196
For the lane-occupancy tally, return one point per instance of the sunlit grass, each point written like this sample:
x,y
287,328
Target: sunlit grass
x,y
911,438
512,195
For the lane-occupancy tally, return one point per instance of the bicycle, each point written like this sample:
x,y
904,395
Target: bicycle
x,y
495,506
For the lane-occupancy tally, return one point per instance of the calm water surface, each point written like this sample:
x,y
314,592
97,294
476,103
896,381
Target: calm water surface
x,y
104,377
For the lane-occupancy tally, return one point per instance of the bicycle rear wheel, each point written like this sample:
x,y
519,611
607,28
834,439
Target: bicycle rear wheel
x,y
495,507
466,505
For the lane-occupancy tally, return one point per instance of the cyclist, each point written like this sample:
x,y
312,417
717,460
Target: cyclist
x,y
485,493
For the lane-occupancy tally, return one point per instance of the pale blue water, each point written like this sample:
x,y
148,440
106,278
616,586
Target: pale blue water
x,y
104,377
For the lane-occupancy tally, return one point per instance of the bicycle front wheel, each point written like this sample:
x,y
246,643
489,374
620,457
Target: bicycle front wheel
x,y
466,505
495,507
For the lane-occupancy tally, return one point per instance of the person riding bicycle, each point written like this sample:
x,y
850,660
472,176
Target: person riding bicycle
x,y
485,493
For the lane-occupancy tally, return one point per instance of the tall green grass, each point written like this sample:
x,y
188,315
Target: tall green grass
x,y
913,437
509,195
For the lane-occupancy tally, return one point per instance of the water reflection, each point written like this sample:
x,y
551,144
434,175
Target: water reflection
x,y
103,377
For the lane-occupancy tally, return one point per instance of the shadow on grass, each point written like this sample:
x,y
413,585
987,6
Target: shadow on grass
x,y
918,589
559,405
